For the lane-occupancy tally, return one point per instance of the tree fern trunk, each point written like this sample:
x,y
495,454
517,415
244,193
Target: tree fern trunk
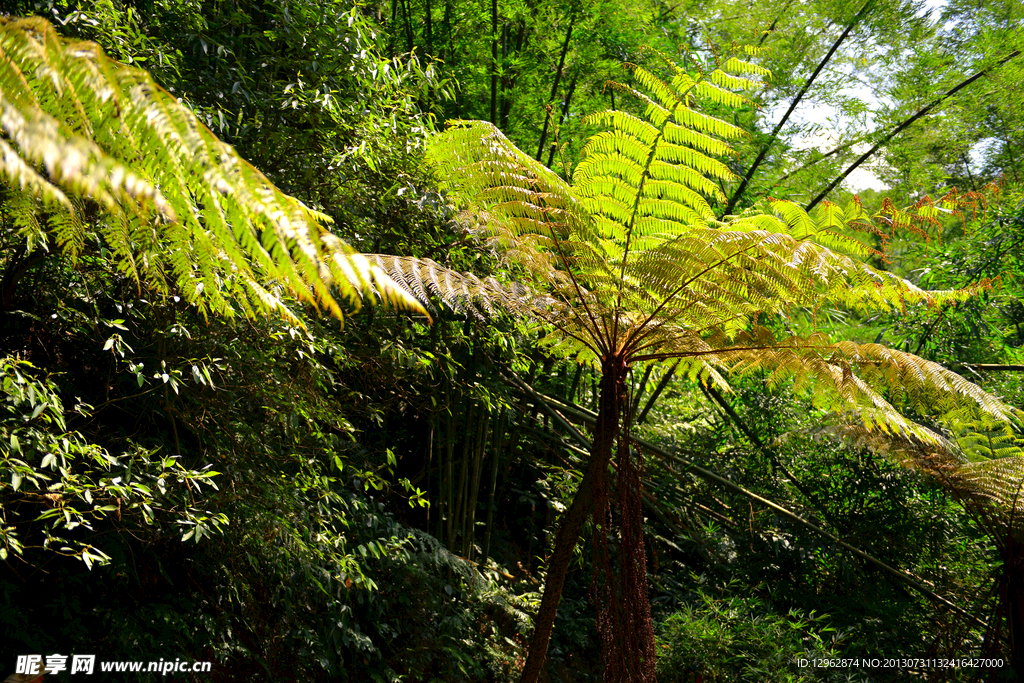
x,y
613,391
624,612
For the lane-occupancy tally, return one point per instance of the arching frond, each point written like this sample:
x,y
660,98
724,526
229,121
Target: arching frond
x,y
180,208
462,292
978,460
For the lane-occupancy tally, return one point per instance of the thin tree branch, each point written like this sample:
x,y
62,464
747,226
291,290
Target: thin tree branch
x,y
907,122
792,106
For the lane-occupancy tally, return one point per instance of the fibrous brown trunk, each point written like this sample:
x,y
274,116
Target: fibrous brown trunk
x,y
623,606
613,391
1012,598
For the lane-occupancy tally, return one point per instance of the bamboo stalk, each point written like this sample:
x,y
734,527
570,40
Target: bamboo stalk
x,y
575,383
469,533
995,367
448,471
496,441
428,28
657,392
494,62
430,462
554,86
460,500
639,392
565,111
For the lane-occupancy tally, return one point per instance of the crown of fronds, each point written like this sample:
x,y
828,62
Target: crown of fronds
x,y
633,244
180,208
640,267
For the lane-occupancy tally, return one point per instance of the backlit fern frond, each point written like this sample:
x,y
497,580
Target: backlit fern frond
x,y
992,467
978,455
462,292
180,208
978,460
1000,480
479,164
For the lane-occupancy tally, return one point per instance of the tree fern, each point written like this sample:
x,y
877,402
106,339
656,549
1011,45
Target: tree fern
x,y
180,209
639,270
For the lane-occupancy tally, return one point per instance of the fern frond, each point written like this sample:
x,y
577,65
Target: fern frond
x,y
866,380
969,468
463,292
183,209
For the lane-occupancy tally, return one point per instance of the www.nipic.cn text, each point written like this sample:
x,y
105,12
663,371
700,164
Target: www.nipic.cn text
x,y
87,664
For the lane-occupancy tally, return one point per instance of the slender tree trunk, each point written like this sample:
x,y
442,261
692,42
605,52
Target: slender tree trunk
x,y
554,86
613,391
825,155
463,486
565,110
639,393
428,27
478,457
393,27
494,62
409,43
1012,597
496,444
508,79
967,167
775,23
430,462
657,392
575,379
449,455
504,75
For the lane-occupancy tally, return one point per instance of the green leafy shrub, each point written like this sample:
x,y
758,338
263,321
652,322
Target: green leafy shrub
x,y
744,639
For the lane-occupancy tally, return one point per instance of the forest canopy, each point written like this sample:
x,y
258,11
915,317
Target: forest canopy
x,y
543,341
